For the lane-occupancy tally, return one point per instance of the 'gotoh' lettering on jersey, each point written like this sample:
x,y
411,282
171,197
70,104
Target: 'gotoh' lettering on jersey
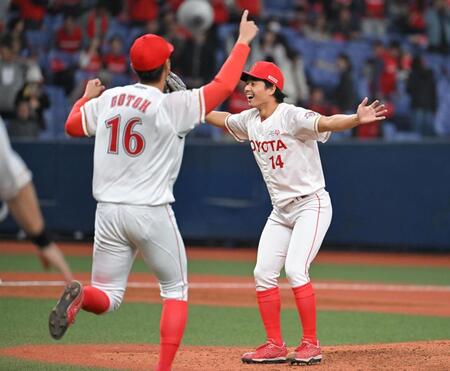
x,y
268,145
128,100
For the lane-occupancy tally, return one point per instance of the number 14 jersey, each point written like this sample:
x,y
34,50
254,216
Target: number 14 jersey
x,y
285,148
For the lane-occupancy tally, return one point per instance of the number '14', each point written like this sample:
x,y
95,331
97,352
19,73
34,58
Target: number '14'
x,y
276,162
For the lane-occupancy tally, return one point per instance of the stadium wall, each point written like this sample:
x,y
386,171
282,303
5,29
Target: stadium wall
x,y
383,194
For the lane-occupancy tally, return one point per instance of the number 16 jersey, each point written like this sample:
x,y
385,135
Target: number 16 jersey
x,y
285,148
139,141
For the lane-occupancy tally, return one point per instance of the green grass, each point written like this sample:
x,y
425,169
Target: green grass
x,y
24,321
422,275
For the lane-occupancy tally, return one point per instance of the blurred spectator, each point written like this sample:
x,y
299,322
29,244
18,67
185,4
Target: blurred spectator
x,y
318,30
221,12
115,62
34,93
422,89
96,21
295,84
141,11
12,77
23,125
373,22
254,8
345,94
32,12
90,67
437,19
346,27
69,37
16,30
318,103
387,59
197,60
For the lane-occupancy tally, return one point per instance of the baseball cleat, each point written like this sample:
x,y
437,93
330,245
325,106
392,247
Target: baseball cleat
x,y
267,353
306,354
65,310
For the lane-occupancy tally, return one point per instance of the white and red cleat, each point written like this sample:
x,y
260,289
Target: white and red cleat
x,y
267,353
306,353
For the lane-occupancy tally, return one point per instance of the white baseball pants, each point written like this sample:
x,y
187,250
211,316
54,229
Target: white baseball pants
x,y
292,237
123,230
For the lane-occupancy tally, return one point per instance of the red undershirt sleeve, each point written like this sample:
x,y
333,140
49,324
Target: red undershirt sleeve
x,y
74,124
227,79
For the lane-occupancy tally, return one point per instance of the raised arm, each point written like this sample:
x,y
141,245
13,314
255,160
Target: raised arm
x,y
229,75
74,125
364,115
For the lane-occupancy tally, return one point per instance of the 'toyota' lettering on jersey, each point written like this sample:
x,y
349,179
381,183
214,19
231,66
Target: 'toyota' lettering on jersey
x,y
126,100
268,145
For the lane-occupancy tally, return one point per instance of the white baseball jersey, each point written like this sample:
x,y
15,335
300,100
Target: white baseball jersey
x,y
139,141
285,148
14,174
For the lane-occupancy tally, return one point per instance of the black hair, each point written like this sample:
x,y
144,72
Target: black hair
x,y
278,95
150,76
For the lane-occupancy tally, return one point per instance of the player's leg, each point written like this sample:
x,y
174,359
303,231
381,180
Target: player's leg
x,y
17,190
111,264
313,218
271,256
159,240
24,207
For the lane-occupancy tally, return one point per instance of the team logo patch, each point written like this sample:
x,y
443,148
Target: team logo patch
x,y
309,114
274,133
273,79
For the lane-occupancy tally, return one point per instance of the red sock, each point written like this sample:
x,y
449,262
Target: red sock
x,y
269,303
173,321
306,306
95,300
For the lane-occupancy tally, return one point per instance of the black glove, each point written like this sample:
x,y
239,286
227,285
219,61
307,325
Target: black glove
x,y
174,83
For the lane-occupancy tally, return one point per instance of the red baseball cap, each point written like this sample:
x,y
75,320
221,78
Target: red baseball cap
x,y
149,52
267,71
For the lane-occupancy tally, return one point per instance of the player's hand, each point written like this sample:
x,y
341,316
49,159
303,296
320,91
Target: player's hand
x,y
174,83
247,29
372,113
93,89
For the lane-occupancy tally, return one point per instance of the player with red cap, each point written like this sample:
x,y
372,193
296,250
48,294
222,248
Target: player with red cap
x,y
284,139
139,134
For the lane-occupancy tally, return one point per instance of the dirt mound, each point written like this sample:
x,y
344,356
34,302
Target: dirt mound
x,y
433,355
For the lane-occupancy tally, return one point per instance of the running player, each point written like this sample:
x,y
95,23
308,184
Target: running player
x,y
284,139
139,139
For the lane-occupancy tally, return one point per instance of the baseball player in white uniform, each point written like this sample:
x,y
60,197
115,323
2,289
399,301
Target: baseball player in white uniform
x,y
19,197
139,139
284,139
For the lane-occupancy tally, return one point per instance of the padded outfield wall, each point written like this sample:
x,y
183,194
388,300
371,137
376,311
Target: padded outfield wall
x,y
383,194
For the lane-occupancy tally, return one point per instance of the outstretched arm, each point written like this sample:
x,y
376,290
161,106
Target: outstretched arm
x,y
364,115
217,118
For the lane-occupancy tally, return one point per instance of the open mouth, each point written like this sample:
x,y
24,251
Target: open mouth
x,y
250,97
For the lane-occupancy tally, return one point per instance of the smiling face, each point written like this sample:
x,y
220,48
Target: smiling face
x,y
257,93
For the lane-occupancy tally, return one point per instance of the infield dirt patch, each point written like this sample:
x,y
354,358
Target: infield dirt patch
x,y
399,356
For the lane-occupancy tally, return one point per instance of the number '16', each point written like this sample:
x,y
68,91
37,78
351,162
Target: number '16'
x,y
133,141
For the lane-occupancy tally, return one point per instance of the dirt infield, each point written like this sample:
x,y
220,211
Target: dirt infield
x,y
401,356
